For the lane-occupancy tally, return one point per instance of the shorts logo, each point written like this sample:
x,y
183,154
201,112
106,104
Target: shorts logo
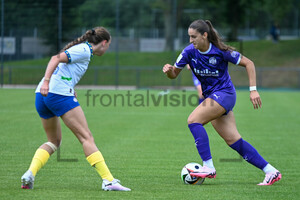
x,y
217,97
75,100
212,60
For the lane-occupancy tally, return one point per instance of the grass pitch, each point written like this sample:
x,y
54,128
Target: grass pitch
x,y
146,144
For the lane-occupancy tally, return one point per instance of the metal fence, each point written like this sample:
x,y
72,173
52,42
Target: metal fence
x,y
152,77
20,43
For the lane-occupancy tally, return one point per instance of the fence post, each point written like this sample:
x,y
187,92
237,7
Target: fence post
x,y
259,77
298,78
241,50
138,76
2,42
96,76
9,75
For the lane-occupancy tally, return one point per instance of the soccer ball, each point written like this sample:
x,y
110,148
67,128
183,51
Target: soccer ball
x,y
186,177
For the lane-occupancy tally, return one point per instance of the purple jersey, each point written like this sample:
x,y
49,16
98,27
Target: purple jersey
x,y
195,80
210,67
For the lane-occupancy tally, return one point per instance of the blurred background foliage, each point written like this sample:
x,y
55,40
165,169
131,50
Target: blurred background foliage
x,y
78,15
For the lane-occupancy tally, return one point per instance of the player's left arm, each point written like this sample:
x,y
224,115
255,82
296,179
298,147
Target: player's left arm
x,y
250,68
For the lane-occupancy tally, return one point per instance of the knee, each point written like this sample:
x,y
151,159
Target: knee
x,y
192,119
231,140
87,137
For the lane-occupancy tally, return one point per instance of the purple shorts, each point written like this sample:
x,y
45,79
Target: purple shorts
x,y
226,99
54,104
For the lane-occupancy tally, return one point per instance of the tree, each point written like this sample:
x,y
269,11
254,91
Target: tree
x,y
23,15
168,8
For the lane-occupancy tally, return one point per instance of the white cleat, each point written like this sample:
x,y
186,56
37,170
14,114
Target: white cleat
x,y
27,180
113,185
271,178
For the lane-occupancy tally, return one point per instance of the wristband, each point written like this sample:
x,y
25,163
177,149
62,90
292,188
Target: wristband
x,y
252,88
46,79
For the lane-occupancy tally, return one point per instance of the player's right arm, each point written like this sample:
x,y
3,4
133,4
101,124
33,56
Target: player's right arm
x,y
171,71
53,63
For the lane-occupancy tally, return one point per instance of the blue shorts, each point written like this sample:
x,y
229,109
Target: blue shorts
x,y
226,99
54,104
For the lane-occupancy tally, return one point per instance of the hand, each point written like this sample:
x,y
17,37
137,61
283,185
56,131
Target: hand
x,y
255,99
167,68
188,67
45,88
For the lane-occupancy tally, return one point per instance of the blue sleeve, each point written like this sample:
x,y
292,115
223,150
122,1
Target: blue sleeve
x,y
232,56
182,60
69,57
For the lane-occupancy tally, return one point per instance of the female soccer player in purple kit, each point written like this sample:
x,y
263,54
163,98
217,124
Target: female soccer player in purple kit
x,y
208,58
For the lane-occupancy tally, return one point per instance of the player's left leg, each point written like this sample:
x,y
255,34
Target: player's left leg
x,y
75,120
226,128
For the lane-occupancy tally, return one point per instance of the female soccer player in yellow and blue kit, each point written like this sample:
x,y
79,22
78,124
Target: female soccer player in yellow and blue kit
x,y
208,58
55,97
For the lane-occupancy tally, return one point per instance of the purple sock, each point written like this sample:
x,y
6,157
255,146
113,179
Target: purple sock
x,y
249,153
201,140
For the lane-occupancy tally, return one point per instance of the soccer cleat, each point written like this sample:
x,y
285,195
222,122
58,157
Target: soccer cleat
x,y
27,180
205,172
271,178
113,185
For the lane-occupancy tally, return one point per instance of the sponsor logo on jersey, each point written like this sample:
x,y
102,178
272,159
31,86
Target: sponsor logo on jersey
x,y
206,72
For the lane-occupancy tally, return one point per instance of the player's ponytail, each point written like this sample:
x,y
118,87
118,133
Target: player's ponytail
x,y
205,26
95,36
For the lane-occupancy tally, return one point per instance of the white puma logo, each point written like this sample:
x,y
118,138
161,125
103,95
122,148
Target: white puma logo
x,y
216,96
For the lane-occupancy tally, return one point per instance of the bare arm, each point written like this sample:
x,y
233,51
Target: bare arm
x,y
254,95
171,71
53,63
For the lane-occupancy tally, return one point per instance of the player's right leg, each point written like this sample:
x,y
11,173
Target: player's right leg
x,y
204,113
52,128
76,121
205,172
42,154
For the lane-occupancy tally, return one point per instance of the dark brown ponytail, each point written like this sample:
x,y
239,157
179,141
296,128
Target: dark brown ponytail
x,y
95,36
205,26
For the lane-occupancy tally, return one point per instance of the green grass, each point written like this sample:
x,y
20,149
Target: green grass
x,y
146,147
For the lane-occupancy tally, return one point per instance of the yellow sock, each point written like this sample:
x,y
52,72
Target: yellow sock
x,y
96,160
39,159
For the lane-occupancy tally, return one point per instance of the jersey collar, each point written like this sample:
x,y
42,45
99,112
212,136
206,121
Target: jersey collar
x,y
91,49
207,50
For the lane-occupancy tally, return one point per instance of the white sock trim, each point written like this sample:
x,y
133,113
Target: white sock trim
x,y
52,146
209,163
269,168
